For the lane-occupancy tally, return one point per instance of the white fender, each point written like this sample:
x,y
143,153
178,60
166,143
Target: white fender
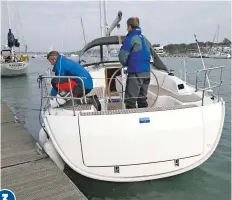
x,y
42,137
49,148
53,154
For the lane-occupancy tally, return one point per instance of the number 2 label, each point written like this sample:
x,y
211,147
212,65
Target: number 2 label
x,y
4,196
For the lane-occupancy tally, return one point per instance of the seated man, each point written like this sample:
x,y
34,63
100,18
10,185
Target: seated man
x,y
61,87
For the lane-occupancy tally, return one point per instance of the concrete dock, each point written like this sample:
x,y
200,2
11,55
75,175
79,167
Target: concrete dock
x,y
30,175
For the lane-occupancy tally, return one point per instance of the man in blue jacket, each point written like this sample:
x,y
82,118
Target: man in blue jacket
x,y
67,67
135,54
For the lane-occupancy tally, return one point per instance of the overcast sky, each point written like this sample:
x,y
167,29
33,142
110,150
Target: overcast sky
x,y
47,23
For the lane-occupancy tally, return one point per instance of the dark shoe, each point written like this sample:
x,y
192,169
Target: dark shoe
x,y
130,107
94,101
143,105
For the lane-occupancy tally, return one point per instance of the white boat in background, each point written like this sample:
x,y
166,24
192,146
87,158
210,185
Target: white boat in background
x,y
209,55
49,50
74,55
11,65
159,50
14,63
198,55
217,51
220,56
178,132
34,56
14,60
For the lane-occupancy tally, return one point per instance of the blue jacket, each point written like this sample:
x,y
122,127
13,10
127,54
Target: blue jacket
x,y
68,67
135,52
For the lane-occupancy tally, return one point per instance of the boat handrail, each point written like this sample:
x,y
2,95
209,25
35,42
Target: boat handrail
x,y
41,77
46,93
206,72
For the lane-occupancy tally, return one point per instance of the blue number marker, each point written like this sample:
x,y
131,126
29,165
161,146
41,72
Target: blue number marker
x,y
144,120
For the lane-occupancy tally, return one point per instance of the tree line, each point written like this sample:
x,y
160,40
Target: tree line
x,y
184,48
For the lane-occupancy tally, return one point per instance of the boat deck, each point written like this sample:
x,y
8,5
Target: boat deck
x,y
99,91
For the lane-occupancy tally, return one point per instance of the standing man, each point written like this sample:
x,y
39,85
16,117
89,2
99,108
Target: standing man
x,y
135,54
67,67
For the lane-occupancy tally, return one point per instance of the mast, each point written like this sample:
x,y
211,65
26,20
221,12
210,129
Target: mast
x,y
83,30
101,21
105,22
62,44
20,26
9,21
217,34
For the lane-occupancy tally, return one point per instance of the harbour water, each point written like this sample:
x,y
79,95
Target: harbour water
x,y
210,181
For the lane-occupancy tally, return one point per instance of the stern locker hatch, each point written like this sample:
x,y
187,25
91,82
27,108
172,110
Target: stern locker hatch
x,y
111,140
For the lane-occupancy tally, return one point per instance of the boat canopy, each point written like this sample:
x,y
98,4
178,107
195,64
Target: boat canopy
x,y
114,40
110,40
